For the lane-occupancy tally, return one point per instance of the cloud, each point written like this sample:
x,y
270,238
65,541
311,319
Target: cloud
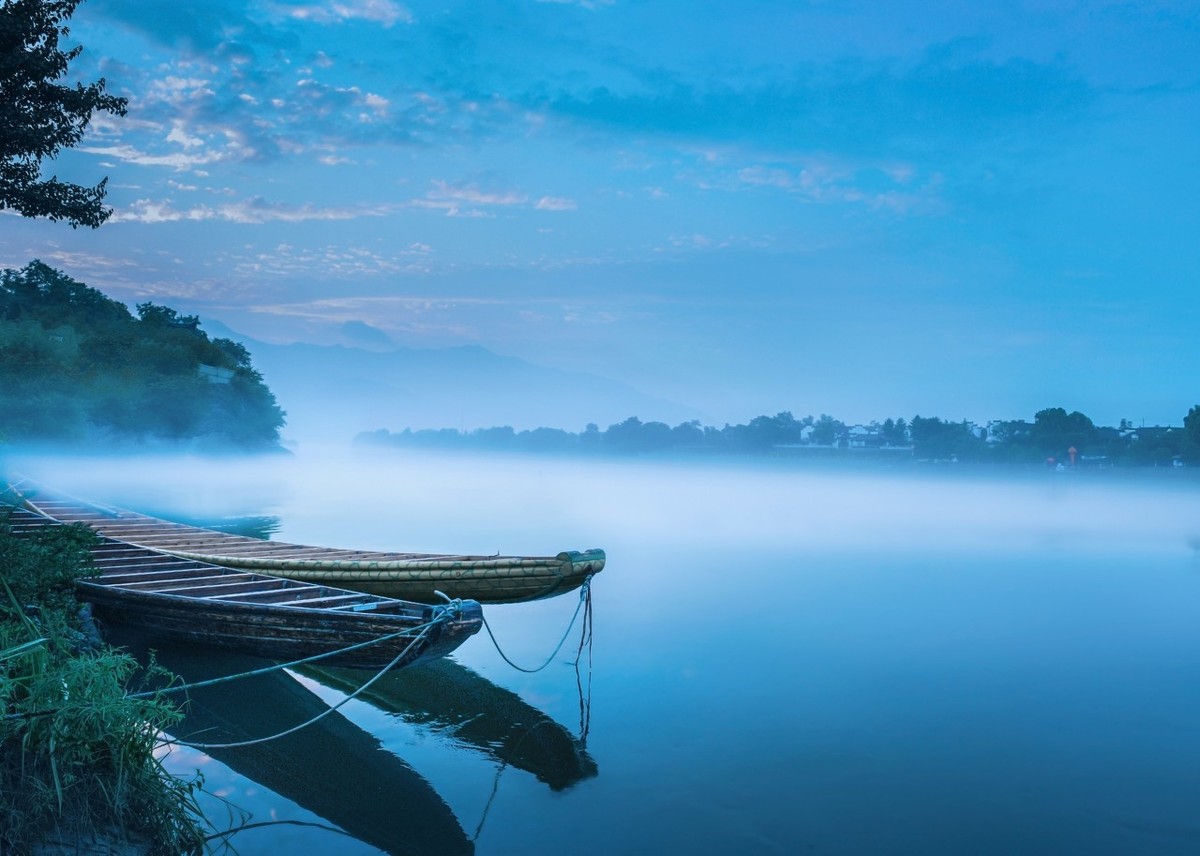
x,y
383,12
331,261
175,160
583,4
882,185
182,124
467,199
396,312
555,203
178,91
471,194
249,211
91,261
179,135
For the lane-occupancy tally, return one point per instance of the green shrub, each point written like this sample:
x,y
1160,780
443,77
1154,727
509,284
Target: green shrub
x,y
76,751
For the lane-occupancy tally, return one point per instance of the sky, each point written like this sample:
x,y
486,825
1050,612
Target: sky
x,y
957,209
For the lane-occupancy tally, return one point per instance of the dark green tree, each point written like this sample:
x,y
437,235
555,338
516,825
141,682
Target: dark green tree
x,y
40,115
1055,431
1191,425
935,438
894,431
827,430
76,365
688,435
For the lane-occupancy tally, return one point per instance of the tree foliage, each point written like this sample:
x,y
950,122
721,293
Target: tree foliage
x,y
1191,424
40,115
1055,431
76,365
935,439
923,439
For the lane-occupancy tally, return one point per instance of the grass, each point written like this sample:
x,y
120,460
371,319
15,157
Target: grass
x,y
77,761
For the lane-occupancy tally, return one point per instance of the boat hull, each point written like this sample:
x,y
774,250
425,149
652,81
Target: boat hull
x,y
194,602
487,580
297,634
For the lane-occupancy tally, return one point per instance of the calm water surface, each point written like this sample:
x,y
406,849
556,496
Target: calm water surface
x,y
784,661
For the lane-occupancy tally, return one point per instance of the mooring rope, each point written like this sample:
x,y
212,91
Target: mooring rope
x,y
204,747
448,612
585,597
445,615
421,629
585,698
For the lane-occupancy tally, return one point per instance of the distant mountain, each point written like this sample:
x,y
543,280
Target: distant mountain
x,y
332,392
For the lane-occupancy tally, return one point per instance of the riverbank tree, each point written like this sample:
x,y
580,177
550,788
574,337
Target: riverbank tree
x,y
78,366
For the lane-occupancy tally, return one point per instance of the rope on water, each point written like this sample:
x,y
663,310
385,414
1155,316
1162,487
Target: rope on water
x,y
491,798
585,597
545,721
585,698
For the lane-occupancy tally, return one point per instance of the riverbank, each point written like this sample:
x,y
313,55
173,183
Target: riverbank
x,y
78,771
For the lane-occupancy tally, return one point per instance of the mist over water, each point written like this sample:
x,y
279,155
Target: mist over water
x,y
511,504
787,659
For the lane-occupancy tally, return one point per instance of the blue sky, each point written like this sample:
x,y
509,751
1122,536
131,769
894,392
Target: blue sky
x,y
967,210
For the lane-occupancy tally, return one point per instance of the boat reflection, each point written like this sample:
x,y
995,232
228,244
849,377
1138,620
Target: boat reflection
x,y
452,699
331,768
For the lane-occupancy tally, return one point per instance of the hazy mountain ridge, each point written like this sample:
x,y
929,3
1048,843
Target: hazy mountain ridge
x,y
333,392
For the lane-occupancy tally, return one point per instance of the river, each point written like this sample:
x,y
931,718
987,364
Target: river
x,y
784,660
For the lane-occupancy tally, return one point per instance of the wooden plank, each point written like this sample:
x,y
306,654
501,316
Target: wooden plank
x,y
146,558
176,586
297,594
323,602
222,586
151,576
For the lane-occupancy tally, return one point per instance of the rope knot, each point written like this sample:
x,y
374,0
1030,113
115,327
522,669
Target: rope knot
x,y
448,611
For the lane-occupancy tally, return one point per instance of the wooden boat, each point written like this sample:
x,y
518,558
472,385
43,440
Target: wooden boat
x,y
279,619
411,576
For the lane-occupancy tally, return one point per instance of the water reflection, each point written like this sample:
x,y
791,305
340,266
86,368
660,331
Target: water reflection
x,y
475,713
331,768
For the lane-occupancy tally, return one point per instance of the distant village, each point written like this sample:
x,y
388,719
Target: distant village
x,y
1054,438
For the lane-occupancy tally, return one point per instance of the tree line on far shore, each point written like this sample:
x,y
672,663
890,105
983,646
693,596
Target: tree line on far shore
x,y
1054,437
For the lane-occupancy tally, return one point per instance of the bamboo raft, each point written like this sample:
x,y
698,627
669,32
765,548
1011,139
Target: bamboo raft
x,y
186,600
410,576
